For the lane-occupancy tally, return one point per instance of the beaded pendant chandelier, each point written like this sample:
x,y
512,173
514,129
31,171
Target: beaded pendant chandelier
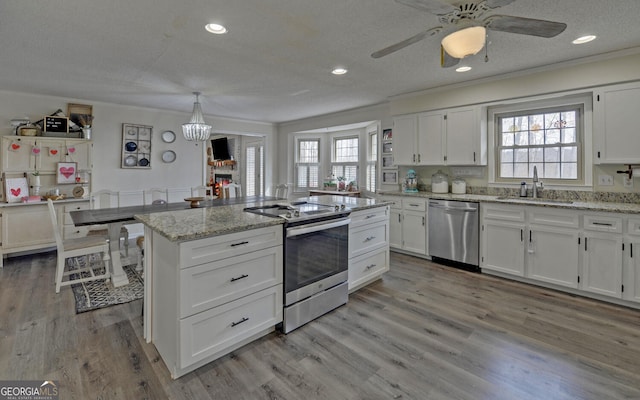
x,y
196,129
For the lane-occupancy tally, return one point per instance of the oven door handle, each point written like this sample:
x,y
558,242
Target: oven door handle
x,y
316,227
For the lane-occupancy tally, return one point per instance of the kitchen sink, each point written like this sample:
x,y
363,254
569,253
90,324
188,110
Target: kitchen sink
x,y
536,200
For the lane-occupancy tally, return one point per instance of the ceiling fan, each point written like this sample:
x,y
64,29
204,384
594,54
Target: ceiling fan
x,y
466,33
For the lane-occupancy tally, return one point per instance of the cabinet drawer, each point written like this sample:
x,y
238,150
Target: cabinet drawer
x,y
74,232
564,218
212,284
210,332
211,249
414,204
369,216
602,223
73,207
366,238
368,266
503,213
397,202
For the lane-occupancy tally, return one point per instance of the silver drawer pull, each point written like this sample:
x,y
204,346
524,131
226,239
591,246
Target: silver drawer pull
x,y
238,278
239,244
370,238
602,223
244,319
369,216
414,205
368,267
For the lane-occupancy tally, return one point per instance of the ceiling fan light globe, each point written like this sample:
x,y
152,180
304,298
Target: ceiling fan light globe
x,y
465,42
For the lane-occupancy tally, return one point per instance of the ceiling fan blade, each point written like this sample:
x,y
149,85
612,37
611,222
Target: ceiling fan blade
x,y
446,60
498,3
524,26
436,7
406,42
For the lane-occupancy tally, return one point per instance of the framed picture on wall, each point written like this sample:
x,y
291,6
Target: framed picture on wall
x,y
66,172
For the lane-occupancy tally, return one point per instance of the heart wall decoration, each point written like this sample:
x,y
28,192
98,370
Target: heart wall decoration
x,y
14,146
53,151
16,189
35,150
66,172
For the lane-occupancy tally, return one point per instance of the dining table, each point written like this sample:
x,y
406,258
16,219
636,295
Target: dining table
x,y
115,217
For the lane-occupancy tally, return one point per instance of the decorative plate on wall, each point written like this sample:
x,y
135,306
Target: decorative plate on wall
x,y
168,136
168,156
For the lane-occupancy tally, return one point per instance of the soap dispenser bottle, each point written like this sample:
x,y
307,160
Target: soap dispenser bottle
x,y
523,189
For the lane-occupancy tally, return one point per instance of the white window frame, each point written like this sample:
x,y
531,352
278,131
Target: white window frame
x,y
335,165
585,158
372,161
298,164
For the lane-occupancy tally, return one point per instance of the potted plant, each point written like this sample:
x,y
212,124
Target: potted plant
x,y
342,183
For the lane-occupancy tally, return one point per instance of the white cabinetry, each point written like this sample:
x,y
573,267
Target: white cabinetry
x,y
213,295
447,137
502,237
368,246
615,113
602,256
553,246
631,276
409,225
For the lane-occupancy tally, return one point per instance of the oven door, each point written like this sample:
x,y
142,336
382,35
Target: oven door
x,y
316,258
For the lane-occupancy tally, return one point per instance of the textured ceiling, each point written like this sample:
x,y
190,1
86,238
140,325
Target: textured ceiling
x,y
274,63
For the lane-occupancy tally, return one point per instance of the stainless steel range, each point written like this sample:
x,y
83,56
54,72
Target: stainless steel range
x,y
316,258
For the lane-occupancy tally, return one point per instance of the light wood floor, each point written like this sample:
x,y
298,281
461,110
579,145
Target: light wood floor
x,y
422,332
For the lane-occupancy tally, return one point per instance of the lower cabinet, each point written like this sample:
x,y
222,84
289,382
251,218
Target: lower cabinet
x,y
213,295
368,246
587,253
27,227
408,225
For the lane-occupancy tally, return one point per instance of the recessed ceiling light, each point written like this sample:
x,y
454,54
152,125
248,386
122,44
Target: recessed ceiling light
x,y
216,28
463,69
584,39
339,71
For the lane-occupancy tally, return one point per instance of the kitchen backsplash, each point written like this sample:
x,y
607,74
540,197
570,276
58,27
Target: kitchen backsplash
x,y
574,195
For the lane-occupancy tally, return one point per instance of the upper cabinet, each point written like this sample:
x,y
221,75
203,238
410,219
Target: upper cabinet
x,y
447,137
615,113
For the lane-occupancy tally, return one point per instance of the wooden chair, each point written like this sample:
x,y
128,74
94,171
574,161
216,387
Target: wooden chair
x,y
156,196
107,199
75,248
231,190
281,191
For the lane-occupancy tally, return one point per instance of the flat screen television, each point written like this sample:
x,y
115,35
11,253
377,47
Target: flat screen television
x,y
220,149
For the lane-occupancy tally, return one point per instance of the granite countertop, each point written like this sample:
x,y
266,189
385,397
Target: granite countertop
x,y
628,208
197,223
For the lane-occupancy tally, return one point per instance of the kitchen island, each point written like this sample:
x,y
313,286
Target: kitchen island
x,y
214,276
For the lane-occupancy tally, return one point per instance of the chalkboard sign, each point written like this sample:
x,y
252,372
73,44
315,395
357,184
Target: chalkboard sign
x,y
56,124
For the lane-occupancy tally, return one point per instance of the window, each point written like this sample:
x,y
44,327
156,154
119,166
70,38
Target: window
x,y
372,162
345,158
254,180
549,139
307,164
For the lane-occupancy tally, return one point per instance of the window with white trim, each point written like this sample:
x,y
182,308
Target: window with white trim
x,y
307,164
345,158
547,138
372,162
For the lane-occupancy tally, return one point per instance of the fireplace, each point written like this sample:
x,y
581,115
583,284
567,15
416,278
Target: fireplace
x,y
221,178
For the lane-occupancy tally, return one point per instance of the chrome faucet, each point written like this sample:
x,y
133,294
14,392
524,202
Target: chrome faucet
x,y
535,182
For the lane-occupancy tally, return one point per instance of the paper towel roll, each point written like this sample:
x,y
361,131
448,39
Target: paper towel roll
x,y
636,172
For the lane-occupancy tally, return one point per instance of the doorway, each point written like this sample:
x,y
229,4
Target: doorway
x,y
254,167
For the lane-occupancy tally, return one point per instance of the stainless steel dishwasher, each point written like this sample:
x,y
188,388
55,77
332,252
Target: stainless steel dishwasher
x,y
453,231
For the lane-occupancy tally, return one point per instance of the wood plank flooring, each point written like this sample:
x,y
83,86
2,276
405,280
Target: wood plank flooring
x,y
422,332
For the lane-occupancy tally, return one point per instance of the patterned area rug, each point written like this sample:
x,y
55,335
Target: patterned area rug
x,y
99,294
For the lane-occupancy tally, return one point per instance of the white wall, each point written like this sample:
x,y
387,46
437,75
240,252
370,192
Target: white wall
x,y
188,169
